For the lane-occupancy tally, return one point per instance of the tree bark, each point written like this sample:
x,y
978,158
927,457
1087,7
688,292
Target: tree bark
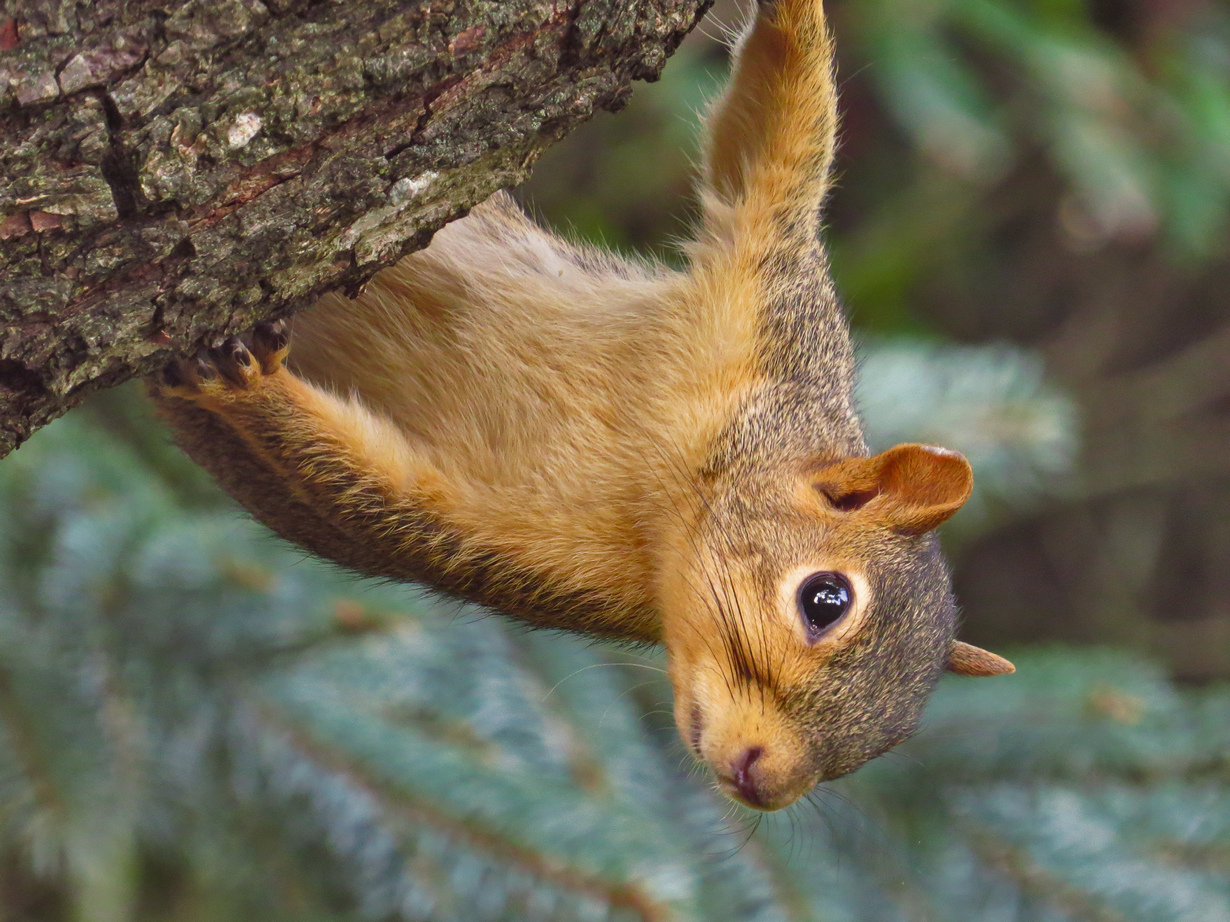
x,y
172,172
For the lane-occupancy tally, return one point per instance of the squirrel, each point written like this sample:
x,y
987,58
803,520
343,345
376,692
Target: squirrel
x,y
616,448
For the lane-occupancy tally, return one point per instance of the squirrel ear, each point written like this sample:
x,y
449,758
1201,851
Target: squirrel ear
x,y
921,485
966,659
928,484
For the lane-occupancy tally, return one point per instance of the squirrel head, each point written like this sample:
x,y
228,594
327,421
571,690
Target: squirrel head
x,y
810,615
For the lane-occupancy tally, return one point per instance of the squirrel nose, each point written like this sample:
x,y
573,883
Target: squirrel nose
x,y
745,779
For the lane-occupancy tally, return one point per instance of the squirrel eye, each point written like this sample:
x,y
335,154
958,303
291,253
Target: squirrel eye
x,y
823,599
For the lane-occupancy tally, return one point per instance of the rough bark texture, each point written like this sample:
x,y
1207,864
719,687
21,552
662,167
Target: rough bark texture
x,y
171,171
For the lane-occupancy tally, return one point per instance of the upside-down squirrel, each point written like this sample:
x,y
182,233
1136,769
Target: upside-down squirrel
x,y
616,448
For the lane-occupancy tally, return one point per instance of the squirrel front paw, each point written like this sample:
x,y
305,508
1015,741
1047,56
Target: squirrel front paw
x,y
228,370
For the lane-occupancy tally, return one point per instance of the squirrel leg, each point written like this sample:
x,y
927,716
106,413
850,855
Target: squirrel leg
x,y
250,478
345,482
771,134
358,492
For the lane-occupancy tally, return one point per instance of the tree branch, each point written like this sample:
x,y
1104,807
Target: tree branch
x,y
175,171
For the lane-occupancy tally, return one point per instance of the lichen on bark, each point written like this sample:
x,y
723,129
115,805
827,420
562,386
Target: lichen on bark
x,y
175,170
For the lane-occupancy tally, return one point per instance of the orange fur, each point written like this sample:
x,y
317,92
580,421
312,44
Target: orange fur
x,y
613,447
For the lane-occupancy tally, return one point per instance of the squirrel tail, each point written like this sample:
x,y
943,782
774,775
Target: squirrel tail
x,y
772,134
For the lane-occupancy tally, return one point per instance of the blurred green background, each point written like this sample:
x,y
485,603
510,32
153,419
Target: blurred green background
x,y
1029,229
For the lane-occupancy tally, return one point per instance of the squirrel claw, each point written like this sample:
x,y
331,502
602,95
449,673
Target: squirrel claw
x,y
229,367
232,361
172,376
271,343
203,370
183,378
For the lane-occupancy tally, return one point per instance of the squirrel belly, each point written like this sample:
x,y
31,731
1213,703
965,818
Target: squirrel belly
x,y
607,446
561,393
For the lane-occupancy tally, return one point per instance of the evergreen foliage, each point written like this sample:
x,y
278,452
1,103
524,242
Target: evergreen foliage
x,y
1141,144
992,403
196,722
